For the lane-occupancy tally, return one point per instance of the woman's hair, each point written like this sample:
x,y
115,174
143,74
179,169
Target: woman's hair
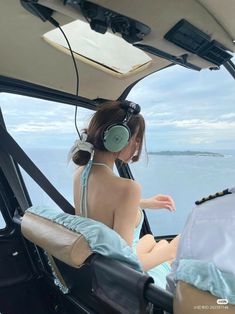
x,y
109,113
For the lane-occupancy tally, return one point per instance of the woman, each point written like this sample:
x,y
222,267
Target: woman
x,y
116,131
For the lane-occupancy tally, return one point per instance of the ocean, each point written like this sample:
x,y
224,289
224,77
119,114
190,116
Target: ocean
x,y
185,178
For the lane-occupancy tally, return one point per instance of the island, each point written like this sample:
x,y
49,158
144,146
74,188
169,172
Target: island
x,y
186,153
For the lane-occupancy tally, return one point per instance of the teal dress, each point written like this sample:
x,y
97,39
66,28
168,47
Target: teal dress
x,y
159,272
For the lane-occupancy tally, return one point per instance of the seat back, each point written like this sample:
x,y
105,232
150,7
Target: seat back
x,y
68,246
189,299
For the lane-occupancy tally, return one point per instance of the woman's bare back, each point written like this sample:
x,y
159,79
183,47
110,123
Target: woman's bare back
x,y
105,194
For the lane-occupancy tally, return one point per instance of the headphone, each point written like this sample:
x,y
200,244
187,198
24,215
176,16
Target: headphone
x,y
116,136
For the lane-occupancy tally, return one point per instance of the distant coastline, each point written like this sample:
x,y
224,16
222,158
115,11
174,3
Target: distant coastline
x,y
186,153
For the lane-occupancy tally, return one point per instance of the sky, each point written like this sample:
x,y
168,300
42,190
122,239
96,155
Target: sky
x,y
183,110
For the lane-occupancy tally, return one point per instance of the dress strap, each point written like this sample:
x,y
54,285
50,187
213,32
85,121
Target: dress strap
x,y
101,164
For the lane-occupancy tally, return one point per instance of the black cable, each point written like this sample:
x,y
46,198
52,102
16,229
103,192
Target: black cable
x,y
56,24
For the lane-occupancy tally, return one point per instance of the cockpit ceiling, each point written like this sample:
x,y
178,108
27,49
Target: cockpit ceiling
x,y
26,56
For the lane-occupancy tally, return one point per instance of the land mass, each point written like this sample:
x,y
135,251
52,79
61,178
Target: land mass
x,y
186,153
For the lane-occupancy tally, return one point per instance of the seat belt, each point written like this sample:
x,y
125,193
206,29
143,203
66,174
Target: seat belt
x,y
9,145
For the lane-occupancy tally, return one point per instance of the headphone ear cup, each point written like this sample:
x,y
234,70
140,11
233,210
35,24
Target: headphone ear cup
x,y
116,137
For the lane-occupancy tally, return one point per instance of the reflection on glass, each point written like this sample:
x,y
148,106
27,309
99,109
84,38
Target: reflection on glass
x,y
2,222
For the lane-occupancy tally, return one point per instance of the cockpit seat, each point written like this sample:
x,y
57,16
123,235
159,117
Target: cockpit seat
x,y
109,278
188,299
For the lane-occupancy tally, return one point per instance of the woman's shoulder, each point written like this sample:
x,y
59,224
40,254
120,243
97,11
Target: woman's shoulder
x,y
122,187
127,186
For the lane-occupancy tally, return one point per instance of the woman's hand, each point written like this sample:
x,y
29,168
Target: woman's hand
x,y
158,202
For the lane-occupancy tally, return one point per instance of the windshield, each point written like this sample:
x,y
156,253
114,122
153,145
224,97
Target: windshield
x,y
190,140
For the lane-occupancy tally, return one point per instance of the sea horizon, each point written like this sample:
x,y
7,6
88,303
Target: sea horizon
x,y
186,178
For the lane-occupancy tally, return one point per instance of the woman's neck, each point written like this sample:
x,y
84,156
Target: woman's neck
x,y
104,158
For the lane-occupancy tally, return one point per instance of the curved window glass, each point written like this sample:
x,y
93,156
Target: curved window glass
x,y
190,122
46,132
190,139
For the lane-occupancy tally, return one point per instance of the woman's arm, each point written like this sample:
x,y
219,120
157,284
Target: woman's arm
x,y
153,253
158,202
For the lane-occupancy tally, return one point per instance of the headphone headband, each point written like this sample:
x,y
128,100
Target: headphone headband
x,y
131,109
130,106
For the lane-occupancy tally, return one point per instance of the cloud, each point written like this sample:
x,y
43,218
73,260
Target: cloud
x,y
154,114
39,127
200,141
56,127
230,115
202,124
28,115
